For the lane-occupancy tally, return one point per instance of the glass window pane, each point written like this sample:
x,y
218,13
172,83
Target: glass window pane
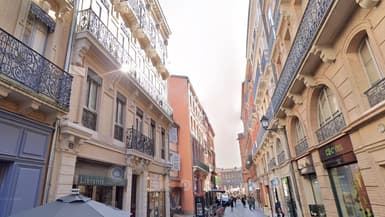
x,y
93,95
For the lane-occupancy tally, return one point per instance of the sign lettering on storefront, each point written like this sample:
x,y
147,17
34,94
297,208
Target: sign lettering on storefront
x,y
100,181
338,152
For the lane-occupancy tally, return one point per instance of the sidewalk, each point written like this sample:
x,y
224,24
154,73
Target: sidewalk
x,y
240,211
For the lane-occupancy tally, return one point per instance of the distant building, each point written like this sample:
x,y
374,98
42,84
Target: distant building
x,y
195,143
230,179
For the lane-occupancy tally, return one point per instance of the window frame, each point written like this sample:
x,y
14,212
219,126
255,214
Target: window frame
x,y
93,80
379,73
119,118
328,101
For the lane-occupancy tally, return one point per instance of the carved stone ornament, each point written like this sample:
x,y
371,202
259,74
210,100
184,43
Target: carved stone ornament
x,y
138,164
368,3
72,136
327,54
80,49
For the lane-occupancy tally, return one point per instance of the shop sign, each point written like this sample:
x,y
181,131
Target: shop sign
x,y
100,181
155,182
338,152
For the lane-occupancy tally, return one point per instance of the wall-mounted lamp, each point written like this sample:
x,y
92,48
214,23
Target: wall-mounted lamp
x,y
265,124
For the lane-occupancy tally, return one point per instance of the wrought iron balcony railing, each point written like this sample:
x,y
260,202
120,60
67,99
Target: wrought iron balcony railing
x,y
201,165
24,68
314,15
331,128
89,22
281,157
376,93
301,146
139,142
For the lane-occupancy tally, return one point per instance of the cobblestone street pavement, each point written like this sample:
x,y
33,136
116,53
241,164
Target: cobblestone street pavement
x,y
241,211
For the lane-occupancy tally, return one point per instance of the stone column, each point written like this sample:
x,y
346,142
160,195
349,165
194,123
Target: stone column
x,y
167,194
142,195
127,190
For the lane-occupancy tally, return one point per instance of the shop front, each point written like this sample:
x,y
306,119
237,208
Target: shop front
x,y
345,176
311,187
101,182
156,198
288,197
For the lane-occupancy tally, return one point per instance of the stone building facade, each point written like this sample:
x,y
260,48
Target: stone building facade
x,y
321,85
35,92
113,144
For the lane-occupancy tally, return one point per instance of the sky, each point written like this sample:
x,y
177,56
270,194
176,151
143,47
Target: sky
x,y
208,44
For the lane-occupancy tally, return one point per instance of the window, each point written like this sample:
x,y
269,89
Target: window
x,y
90,107
163,151
369,62
139,120
153,131
35,34
300,135
119,117
327,106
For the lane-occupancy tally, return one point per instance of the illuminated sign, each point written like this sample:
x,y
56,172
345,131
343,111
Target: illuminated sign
x,y
338,152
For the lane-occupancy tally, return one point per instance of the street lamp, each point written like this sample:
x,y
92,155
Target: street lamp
x,y
265,122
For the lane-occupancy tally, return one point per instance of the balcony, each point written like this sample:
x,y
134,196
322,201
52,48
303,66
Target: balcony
x,y
90,25
131,10
301,146
26,70
137,142
314,15
376,93
281,157
331,128
201,166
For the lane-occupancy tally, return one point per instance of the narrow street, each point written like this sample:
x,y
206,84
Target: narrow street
x,y
240,211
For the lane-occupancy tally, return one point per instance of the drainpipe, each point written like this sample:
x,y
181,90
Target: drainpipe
x,y
292,174
55,138
71,36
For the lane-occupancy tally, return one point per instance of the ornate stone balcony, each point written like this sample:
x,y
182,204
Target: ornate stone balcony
x,y
136,141
201,166
376,93
331,128
26,70
301,146
145,30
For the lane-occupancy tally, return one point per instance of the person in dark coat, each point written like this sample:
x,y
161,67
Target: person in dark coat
x,y
243,200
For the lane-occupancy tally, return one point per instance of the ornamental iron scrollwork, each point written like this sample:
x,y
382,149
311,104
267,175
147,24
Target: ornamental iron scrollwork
x,y
301,146
314,15
139,142
21,64
376,93
331,128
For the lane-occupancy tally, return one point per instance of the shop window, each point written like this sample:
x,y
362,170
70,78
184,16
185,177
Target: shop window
x,y
368,62
327,106
89,118
349,190
119,117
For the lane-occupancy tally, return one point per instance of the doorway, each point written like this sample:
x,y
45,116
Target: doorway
x,y
133,194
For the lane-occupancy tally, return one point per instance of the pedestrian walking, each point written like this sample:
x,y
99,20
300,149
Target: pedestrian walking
x,y
249,202
252,202
243,200
231,203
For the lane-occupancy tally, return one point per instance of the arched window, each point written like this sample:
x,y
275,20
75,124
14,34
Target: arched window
x,y
278,146
368,61
327,106
300,135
